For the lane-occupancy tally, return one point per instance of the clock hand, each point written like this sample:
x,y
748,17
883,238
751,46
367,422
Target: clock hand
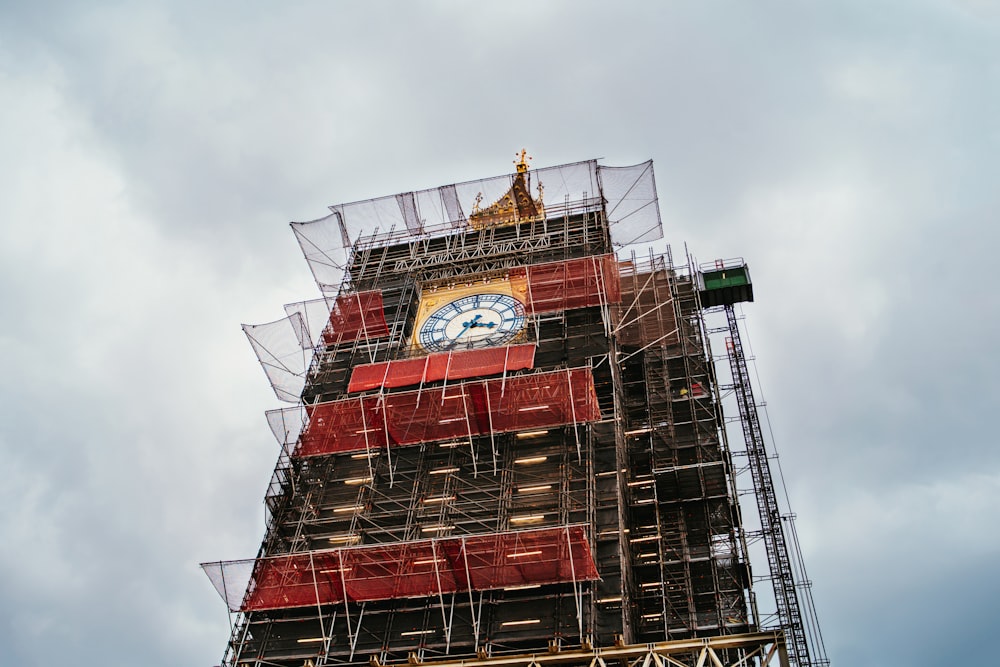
x,y
466,326
476,323
454,341
482,325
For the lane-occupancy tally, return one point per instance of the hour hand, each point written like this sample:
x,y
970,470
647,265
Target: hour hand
x,y
471,324
465,327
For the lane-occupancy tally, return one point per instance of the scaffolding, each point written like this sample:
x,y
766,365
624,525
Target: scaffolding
x,y
417,568
358,316
449,412
689,554
459,365
793,599
570,491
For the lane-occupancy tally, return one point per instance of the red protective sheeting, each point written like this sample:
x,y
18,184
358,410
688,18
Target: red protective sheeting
x,y
521,402
458,365
356,316
422,568
575,283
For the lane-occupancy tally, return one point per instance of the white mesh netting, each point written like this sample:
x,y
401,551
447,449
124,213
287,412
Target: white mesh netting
x,y
315,316
287,424
284,348
632,208
629,194
230,579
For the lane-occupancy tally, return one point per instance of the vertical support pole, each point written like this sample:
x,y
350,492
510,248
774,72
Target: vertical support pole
x,y
364,429
577,595
531,301
451,621
385,376
468,431
572,407
364,328
447,370
385,426
489,417
347,608
468,586
319,607
225,595
437,577
423,379
598,264
503,381
357,630
783,653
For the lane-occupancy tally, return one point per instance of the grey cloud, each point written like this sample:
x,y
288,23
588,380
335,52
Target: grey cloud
x,y
154,153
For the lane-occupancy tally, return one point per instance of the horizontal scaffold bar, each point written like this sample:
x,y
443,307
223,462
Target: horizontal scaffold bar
x,y
757,648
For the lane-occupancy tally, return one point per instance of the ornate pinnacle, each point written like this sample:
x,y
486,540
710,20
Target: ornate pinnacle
x,y
522,162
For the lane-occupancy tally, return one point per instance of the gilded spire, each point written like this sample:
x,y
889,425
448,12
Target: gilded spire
x,y
515,206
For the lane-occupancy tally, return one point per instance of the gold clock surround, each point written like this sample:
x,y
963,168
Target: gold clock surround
x,y
434,297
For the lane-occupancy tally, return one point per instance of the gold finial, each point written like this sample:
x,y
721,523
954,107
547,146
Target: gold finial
x,y
522,162
514,206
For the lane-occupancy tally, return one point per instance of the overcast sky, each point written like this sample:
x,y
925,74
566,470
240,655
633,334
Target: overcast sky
x,y
152,154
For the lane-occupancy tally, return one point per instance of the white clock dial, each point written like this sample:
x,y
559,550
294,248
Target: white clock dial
x,y
478,320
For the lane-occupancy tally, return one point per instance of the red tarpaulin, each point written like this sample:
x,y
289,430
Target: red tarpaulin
x,y
356,316
574,283
458,365
521,402
421,568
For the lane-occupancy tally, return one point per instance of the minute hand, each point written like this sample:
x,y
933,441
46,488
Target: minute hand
x,y
468,325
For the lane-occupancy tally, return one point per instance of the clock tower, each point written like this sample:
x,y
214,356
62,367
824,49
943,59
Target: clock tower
x,y
503,443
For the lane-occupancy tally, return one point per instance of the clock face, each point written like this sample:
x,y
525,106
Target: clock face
x,y
477,320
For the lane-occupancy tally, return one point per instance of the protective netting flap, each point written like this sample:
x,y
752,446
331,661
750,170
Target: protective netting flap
x,y
286,424
231,580
411,569
315,314
282,349
457,365
325,249
357,316
574,283
632,209
522,402
629,194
